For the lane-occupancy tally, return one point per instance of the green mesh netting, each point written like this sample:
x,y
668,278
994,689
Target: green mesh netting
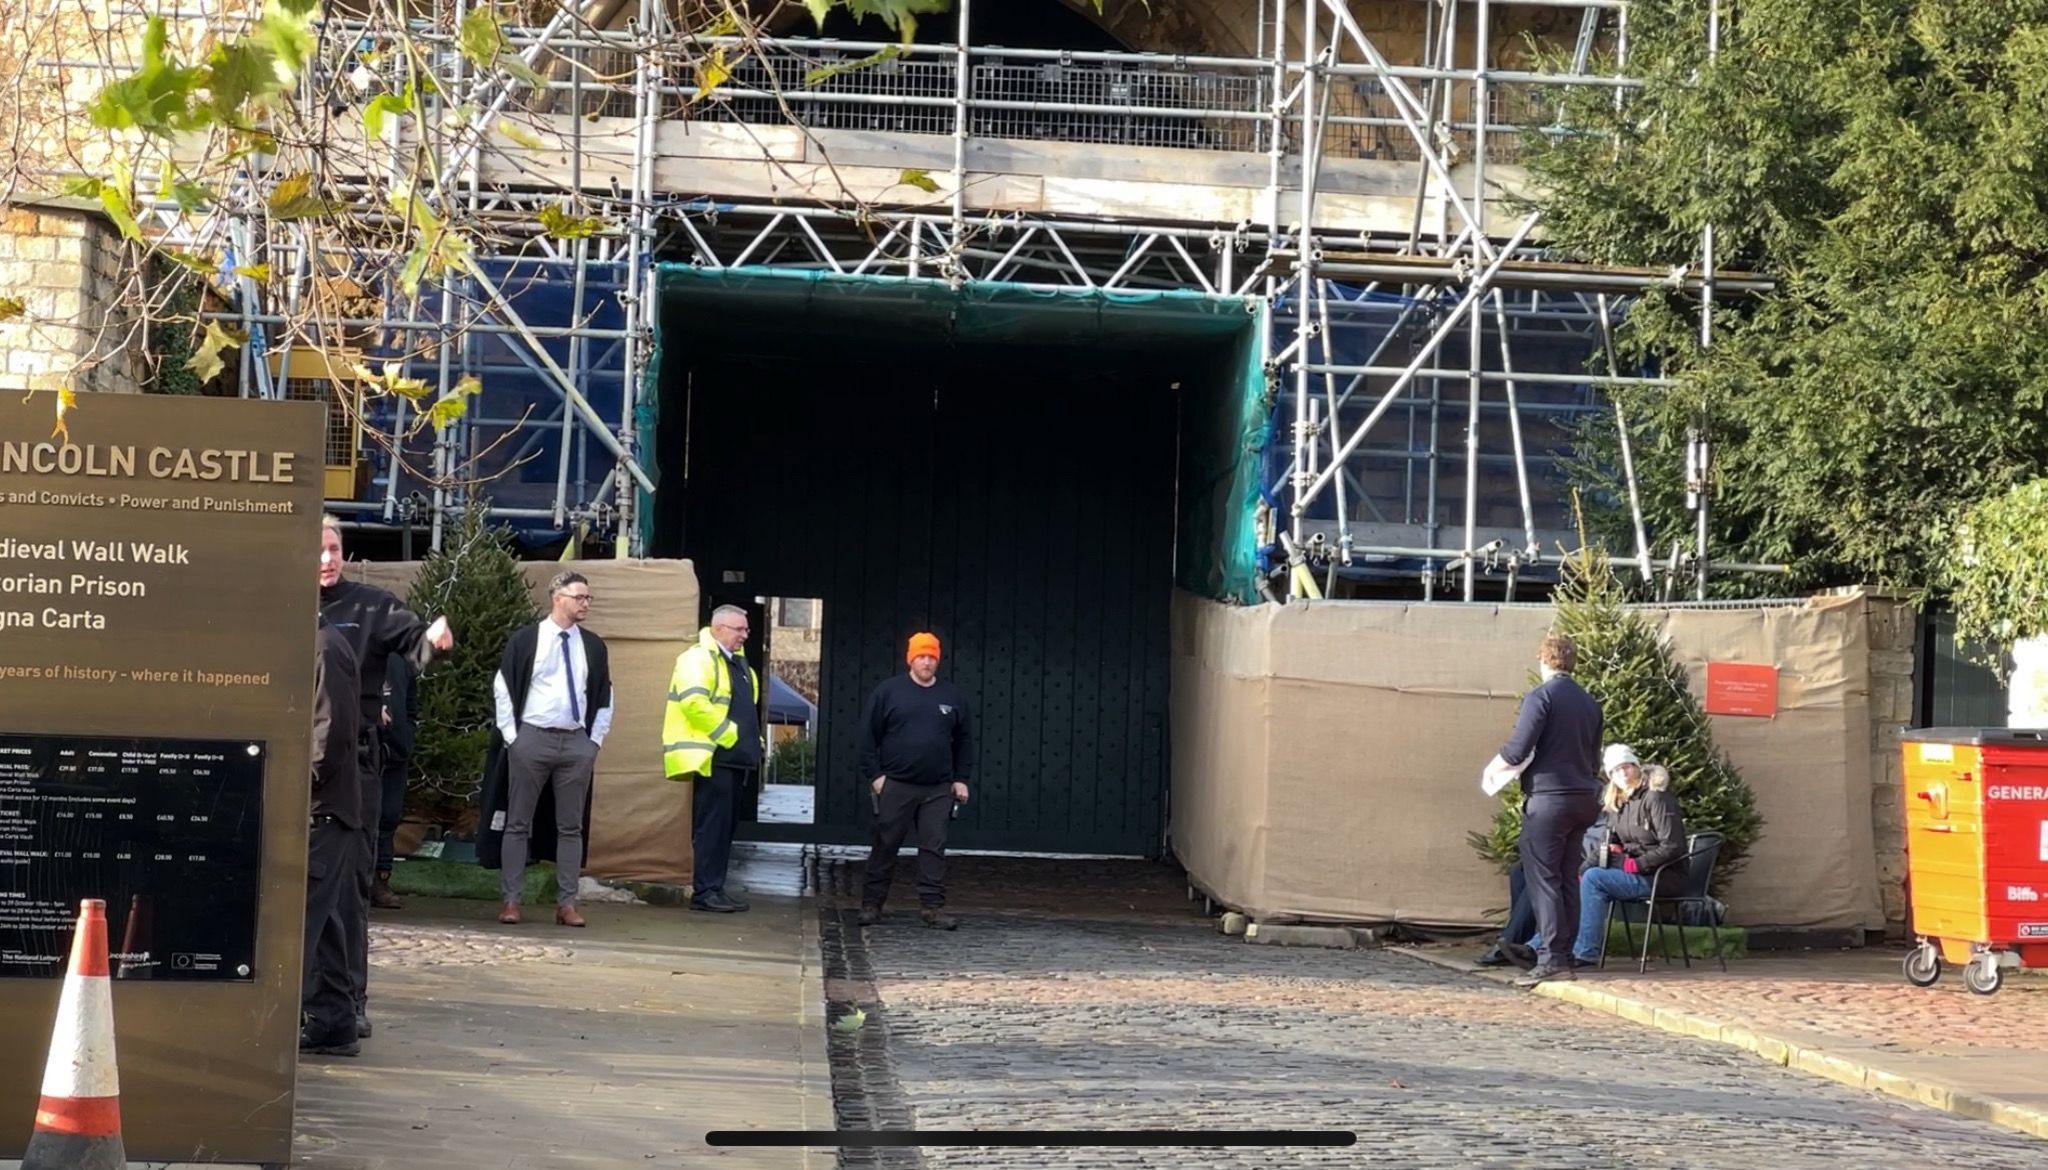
x,y
1222,428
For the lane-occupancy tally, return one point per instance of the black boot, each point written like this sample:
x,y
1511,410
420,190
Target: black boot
x,y
938,919
869,915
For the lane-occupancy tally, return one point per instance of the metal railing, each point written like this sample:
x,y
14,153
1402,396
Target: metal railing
x,y
1095,98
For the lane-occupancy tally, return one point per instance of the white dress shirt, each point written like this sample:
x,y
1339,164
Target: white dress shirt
x,y
547,696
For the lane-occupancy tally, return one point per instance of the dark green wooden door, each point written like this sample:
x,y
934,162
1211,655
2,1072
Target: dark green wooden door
x,y
1020,507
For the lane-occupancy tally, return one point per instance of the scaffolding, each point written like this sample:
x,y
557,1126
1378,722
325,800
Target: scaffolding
x,y
1370,223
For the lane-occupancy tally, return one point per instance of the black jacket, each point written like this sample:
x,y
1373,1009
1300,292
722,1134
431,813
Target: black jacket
x,y
337,722
376,625
517,667
915,734
1650,828
1560,724
402,699
746,751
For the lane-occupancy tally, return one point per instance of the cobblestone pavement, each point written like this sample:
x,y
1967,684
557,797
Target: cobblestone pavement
x,y
1026,1020
1855,1004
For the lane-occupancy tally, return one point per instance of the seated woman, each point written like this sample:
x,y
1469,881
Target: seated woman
x,y
1646,832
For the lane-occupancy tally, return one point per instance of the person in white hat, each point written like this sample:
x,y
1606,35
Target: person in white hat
x,y
1645,832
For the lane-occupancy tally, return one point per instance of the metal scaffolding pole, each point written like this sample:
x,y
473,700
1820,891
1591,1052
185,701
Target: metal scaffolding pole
x,y
1317,87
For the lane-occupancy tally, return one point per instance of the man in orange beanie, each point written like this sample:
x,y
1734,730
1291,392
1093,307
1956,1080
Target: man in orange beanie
x,y
917,751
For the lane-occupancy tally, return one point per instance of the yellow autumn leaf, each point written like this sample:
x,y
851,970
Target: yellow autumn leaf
x,y
67,398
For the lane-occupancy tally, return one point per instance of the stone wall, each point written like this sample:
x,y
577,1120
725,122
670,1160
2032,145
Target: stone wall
x,y
65,266
1893,646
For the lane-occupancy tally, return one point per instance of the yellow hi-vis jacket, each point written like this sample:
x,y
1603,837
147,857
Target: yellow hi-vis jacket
x,y
699,717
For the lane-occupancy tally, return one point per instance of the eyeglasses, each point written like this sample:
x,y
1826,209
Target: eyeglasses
x,y
584,597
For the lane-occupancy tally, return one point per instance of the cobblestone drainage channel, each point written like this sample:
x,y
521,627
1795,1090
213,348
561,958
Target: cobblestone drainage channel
x,y
865,1091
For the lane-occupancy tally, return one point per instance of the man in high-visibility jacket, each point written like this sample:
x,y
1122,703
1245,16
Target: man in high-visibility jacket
x,y
711,734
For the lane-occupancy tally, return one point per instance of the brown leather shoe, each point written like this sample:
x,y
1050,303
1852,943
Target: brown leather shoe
x,y
381,896
509,914
567,916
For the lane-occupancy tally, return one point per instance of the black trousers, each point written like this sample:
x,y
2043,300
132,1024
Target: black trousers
x,y
1521,923
393,809
1553,826
354,908
714,814
326,987
926,808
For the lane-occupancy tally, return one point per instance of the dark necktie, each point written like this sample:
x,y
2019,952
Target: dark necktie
x,y
569,672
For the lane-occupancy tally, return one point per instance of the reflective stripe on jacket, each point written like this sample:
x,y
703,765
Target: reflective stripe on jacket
x,y
698,720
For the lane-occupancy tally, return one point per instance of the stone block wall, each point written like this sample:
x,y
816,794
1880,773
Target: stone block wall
x,y
67,268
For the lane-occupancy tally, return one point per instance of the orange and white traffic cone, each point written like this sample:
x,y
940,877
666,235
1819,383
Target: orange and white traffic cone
x,y
78,1121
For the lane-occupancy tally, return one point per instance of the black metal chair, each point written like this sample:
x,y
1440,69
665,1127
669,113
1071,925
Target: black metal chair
x,y
1692,873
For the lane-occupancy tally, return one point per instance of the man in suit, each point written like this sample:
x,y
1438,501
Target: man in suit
x,y
1557,737
554,707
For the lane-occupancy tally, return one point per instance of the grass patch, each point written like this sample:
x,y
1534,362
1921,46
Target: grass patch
x,y
432,878
1734,942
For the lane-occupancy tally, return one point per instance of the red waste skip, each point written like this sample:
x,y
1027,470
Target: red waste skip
x,y
1977,851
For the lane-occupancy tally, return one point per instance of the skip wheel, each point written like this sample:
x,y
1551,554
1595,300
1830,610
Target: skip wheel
x,y
1923,965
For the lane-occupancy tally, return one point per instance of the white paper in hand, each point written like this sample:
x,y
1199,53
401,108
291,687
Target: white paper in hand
x,y
1499,774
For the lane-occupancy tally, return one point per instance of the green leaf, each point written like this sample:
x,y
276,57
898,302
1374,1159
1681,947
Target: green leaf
x,y
187,260
414,270
827,72
260,273
114,198
206,360
378,109
900,15
156,98
191,196
820,9
520,135
289,36
293,198
238,72
12,307
454,404
516,65
480,39
393,381
186,196
851,1021
561,225
920,179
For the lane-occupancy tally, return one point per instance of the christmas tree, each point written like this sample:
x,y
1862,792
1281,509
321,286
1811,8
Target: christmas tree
x,y
474,580
1626,665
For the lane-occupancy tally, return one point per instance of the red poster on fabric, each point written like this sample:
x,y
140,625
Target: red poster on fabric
x,y
1742,688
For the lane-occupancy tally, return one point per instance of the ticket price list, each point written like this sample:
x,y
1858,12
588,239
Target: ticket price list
x,y
166,831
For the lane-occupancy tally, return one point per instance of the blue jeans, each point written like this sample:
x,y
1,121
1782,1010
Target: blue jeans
x,y
1597,888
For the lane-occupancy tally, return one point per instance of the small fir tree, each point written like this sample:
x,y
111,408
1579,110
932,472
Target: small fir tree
x,y
1625,664
473,580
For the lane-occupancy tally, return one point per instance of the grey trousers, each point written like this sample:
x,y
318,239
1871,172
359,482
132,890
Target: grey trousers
x,y
540,758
